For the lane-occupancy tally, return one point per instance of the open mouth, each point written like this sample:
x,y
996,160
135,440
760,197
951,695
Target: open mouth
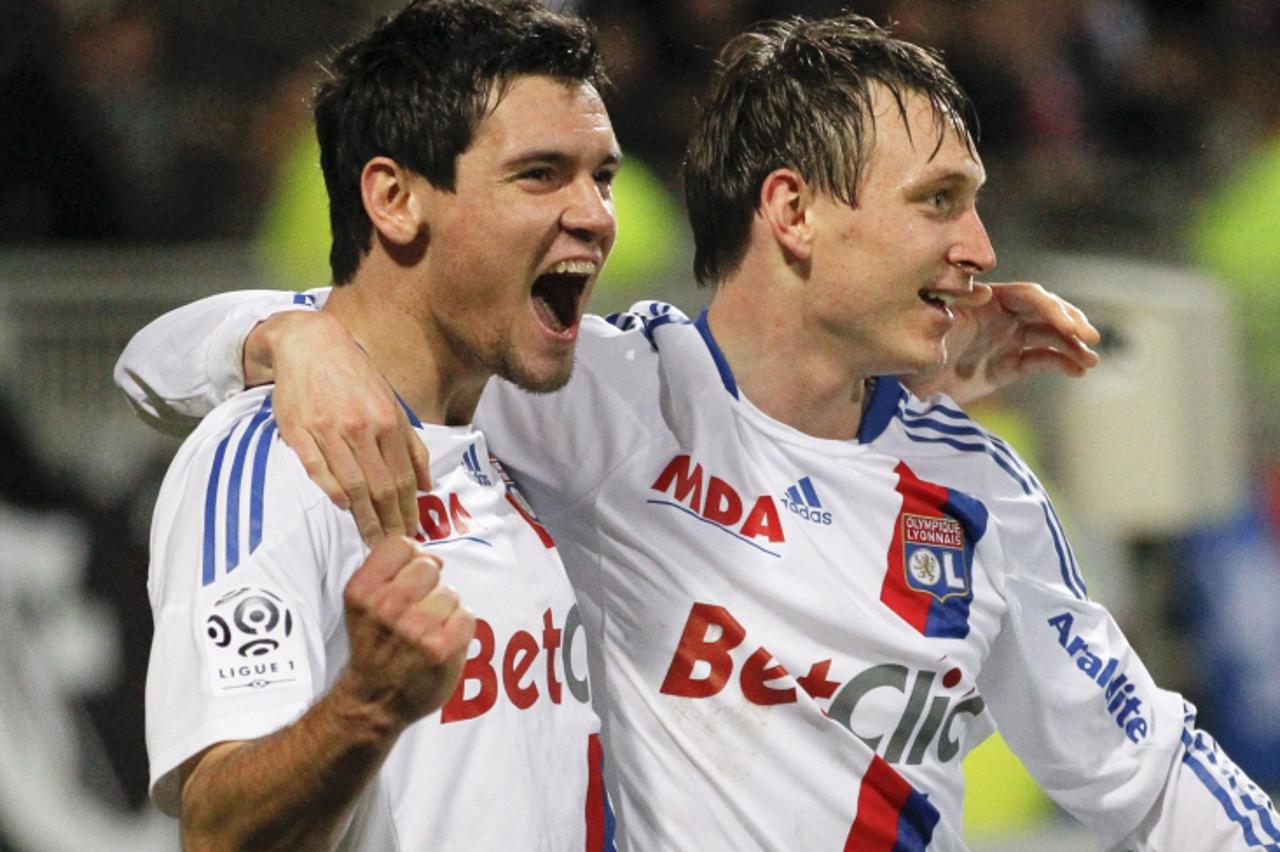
x,y
941,301
557,295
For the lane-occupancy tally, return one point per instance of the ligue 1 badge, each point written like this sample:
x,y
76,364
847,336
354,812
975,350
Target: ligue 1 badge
x,y
251,642
933,553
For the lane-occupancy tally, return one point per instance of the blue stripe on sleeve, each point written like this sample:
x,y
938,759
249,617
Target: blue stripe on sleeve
x,y
233,484
257,487
1198,751
211,512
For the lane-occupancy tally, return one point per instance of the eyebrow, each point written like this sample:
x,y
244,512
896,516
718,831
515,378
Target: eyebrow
x,y
954,178
556,158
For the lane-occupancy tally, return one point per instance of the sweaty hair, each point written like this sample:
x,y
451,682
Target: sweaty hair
x,y
797,93
416,88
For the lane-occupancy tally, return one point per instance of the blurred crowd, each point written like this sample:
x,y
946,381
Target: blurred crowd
x,y
1104,122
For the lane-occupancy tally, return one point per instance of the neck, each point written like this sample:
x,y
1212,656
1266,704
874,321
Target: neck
x,y
382,312
786,367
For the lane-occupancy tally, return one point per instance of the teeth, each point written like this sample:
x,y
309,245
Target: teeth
x,y
575,267
944,298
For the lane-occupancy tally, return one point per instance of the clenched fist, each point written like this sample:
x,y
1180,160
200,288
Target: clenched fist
x,y
408,632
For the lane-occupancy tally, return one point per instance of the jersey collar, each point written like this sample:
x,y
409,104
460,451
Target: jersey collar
x,y
886,392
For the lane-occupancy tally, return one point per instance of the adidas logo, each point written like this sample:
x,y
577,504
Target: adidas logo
x,y
471,463
802,500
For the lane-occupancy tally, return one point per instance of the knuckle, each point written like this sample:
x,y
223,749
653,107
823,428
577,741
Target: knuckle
x,y
354,485
356,427
382,421
384,492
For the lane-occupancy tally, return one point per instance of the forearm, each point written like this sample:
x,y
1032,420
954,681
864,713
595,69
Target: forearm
x,y
290,790
183,364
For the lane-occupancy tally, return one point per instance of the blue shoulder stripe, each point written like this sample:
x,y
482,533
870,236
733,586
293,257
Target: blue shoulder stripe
x,y
258,487
233,486
722,366
887,399
1006,460
261,427
211,510
649,316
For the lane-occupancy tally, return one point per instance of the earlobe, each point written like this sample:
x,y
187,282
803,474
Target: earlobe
x,y
390,200
785,207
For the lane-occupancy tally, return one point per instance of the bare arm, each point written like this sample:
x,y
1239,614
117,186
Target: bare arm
x,y
294,789
1005,333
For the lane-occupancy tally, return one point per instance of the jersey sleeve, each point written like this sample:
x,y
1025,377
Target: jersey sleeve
x,y
1077,705
242,549
185,363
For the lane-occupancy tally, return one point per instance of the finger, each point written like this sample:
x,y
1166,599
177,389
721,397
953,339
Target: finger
x,y
421,461
383,563
1032,303
1071,346
1084,329
1041,360
351,480
414,583
420,574
313,462
976,298
394,452
427,615
449,642
367,447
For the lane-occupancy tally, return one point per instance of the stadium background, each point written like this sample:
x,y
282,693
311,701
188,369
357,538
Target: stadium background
x,y
152,152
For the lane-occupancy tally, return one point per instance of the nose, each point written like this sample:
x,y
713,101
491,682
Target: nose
x,y
589,213
972,249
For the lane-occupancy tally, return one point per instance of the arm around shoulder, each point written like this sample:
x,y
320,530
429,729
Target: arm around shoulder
x,y
182,365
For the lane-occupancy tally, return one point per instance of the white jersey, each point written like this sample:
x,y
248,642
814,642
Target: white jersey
x,y
249,564
795,641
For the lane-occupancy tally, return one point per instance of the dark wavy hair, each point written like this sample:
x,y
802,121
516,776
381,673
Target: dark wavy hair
x,y
797,93
416,88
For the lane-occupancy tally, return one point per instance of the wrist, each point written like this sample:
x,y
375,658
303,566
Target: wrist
x,y
274,335
370,713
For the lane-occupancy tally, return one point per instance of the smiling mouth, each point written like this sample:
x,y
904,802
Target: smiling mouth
x,y
557,295
941,301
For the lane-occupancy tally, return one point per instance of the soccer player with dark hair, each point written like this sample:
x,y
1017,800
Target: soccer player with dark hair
x,y
302,692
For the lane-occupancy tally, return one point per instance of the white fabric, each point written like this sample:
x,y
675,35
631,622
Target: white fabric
x,y
897,595
249,564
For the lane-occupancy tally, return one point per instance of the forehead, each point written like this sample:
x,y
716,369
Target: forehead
x,y
920,146
538,112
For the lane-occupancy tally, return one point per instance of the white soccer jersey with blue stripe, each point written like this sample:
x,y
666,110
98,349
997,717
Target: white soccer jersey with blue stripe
x,y
249,563
796,640
800,639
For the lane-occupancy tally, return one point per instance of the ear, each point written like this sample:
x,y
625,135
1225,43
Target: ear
x,y
389,193
785,208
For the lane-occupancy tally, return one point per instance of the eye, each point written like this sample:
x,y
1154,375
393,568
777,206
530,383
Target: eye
x,y
605,177
940,199
542,174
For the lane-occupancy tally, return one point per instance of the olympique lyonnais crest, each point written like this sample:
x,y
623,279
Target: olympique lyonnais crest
x,y
934,556
929,565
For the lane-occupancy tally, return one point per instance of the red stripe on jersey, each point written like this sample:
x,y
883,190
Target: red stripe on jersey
x,y
918,498
595,794
543,535
880,801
